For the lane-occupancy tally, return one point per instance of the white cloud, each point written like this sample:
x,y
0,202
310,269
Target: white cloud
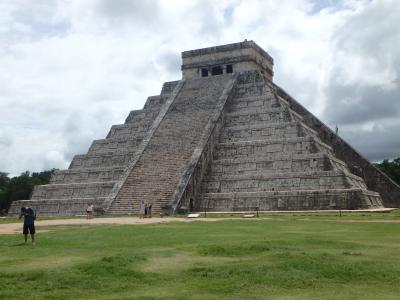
x,y
71,69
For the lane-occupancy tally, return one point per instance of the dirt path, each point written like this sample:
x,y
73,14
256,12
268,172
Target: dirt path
x,y
13,228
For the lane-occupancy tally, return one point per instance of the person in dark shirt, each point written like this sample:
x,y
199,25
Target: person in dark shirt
x,y
29,222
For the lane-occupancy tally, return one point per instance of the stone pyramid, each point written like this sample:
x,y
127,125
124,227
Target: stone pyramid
x,y
224,138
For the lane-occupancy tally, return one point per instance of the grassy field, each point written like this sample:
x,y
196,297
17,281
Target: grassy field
x,y
286,256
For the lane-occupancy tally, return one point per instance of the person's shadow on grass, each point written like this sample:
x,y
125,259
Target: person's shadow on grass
x,y
19,244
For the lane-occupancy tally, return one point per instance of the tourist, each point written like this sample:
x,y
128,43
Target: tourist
x,y
29,223
89,210
142,209
149,210
146,210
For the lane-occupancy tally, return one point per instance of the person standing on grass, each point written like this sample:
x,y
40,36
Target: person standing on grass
x,y
150,206
141,209
89,210
29,223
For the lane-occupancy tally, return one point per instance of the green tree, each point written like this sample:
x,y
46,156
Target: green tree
x,y
3,179
20,187
391,168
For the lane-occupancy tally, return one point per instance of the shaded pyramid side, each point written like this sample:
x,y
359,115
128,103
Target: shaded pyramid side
x,y
374,178
267,157
92,176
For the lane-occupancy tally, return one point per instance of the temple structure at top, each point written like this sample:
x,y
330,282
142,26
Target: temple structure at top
x,y
227,59
222,138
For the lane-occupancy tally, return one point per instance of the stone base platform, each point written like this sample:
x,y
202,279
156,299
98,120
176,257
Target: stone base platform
x,y
299,200
57,207
382,209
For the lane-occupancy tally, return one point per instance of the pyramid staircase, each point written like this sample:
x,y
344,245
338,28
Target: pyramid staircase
x,y
164,161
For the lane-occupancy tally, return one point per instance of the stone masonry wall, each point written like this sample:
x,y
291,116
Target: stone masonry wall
x,y
375,179
267,157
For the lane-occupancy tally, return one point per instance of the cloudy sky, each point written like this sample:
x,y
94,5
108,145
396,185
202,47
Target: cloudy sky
x,y
69,69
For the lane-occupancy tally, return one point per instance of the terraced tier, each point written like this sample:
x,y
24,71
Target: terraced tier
x,y
111,145
244,149
129,129
246,116
261,131
95,174
279,181
290,200
87,190
51,207
118,158
271,164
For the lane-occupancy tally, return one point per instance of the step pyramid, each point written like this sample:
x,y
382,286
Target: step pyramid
x,y
223,138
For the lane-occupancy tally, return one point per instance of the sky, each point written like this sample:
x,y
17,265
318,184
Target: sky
x,y
69,69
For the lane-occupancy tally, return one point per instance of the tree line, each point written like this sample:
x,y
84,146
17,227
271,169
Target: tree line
x,y
391,168
20,187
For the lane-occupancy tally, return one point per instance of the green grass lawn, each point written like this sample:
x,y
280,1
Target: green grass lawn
x,y
285,257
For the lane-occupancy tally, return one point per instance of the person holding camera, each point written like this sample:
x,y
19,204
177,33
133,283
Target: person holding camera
x,y
29,223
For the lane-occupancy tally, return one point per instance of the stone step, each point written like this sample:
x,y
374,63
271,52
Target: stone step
x,y
133,206
110,145
134,115
278,181
87,175
263,130
298,145
255,165
268,95
72,190
154,103
253,89
51,207
168,88
142,116
257,116
290,200
269,157
128,130
326,161
134,210
283,174
260,131
118,158
265,101
254,83
255,111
